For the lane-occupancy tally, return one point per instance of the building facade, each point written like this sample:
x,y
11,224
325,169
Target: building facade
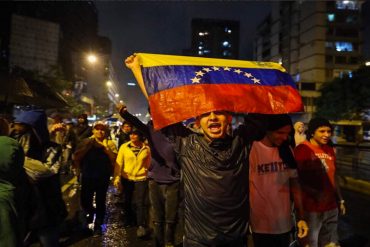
x,y
35,35
33,44
214,38
315,41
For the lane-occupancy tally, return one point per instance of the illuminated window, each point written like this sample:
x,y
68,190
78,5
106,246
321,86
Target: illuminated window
x,y
203,33
226,44
343,46
297,77
347,4
341,73
227,30
331,17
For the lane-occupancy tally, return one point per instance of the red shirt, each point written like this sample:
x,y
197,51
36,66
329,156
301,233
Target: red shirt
x,y
316,171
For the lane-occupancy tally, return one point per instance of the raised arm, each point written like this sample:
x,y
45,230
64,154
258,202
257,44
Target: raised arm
x,y
122,110
132,62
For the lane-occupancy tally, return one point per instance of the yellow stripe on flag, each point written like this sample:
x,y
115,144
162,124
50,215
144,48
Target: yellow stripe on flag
x,y
152,60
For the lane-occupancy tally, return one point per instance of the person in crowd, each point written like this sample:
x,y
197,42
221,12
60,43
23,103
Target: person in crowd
x,y
95,157
273,180
124,133
164,180
42,167
68,144
82,129
216,178
321,194
299,133
15,192
131,172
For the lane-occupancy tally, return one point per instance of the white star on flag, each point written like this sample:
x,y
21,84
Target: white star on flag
x,y
215,68
256,81
195,80
199,73
238,71
227,69
248,75
206,69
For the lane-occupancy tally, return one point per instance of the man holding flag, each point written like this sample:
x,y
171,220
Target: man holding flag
x,y
214,163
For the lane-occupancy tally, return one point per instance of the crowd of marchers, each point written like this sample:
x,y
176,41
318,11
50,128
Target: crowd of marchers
x,y
265,179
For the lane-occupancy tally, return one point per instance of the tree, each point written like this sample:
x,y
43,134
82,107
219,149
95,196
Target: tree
x,y
347,97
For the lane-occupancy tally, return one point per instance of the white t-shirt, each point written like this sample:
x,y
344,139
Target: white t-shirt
x,y
269,191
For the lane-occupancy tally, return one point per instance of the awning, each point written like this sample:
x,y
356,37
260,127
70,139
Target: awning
x,y
16,90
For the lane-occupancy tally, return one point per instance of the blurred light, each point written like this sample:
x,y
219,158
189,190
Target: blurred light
x,y
116,95
225,43
343,46
131,84
331,17
109,83
367,63
227,30
91,58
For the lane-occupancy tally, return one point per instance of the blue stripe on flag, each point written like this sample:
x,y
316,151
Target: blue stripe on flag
x,y
160,78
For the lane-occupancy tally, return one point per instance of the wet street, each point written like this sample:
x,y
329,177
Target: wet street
x,y
114,233
354,227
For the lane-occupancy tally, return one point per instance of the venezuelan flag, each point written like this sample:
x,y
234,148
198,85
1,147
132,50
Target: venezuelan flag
x,y
179,87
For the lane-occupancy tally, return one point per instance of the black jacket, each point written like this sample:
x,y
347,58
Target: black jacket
x,y
216,186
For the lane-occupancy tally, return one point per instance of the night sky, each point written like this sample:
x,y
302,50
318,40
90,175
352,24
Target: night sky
x,y
165,28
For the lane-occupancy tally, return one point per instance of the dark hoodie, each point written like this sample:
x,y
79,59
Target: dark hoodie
x,y
50,209
14,193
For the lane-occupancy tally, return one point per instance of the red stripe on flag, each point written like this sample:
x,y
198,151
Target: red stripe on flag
x,y
181,103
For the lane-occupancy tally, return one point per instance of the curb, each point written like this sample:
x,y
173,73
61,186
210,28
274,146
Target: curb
x,y
357,185
69,184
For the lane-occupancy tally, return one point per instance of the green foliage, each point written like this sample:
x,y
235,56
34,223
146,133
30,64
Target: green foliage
x,y
345,98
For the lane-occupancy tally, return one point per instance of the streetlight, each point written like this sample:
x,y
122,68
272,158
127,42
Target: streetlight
x,y
116,95
367,63
108,83
91,58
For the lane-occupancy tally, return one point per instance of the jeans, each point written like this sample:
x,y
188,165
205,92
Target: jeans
x,y
164,199
135,191
323,228
99,186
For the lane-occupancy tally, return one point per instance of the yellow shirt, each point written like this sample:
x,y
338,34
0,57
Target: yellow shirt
x,y
130,166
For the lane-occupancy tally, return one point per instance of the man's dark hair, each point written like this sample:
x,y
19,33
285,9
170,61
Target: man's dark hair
x,y
316,123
